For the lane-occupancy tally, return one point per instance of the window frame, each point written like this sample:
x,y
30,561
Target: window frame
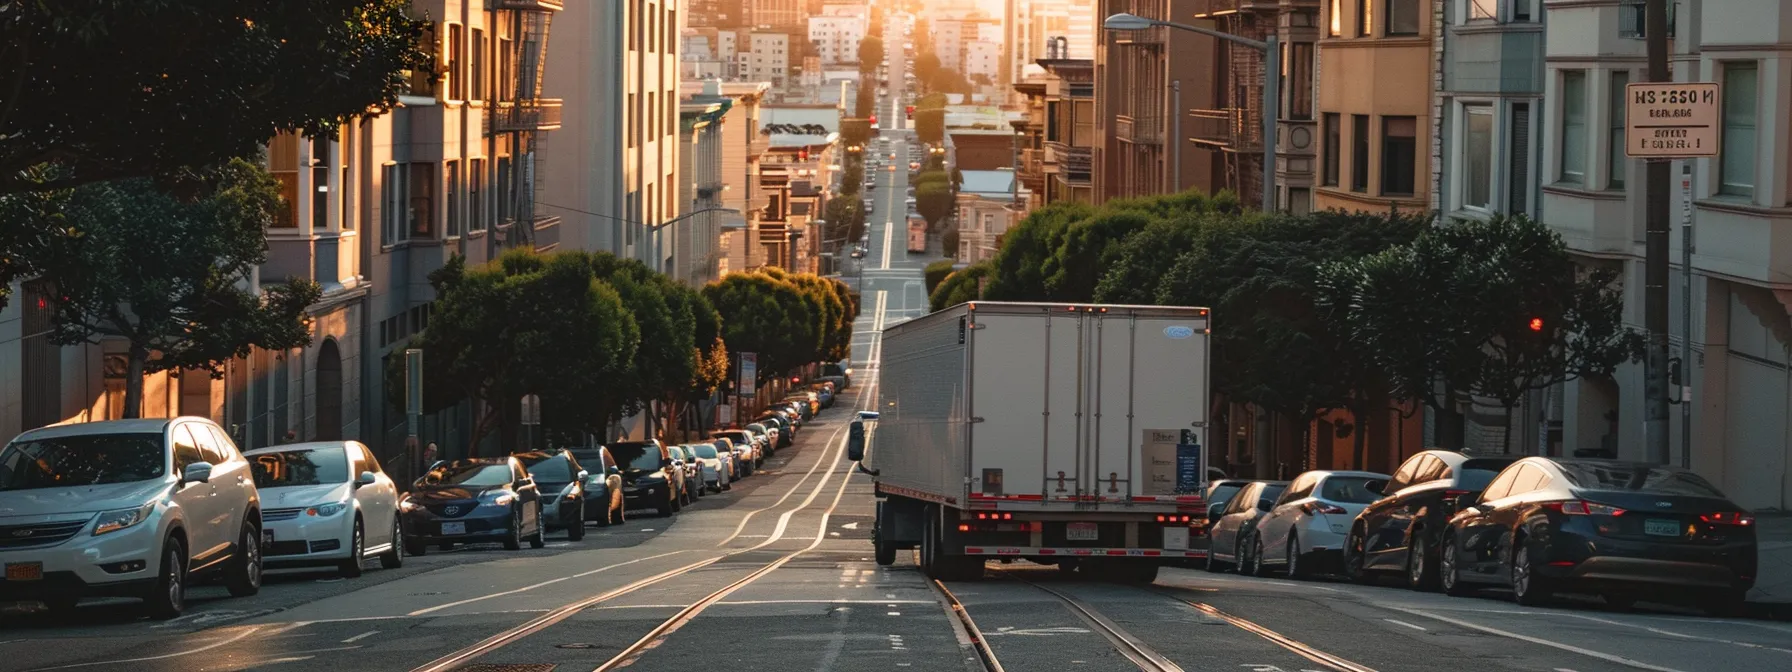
x,y
1617,161
1418,17
1360,146
1387,165
1727,134
1564,123
1331,143
1465,109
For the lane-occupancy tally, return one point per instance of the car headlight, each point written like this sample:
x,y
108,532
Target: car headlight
x,y
407,505
113,521
501,500
326,510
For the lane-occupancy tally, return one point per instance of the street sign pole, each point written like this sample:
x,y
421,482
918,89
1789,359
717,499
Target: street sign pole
x,y
413,406
1686,314
531,419
1655,261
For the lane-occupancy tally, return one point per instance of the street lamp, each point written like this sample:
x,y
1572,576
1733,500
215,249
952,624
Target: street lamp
x,y
1272,85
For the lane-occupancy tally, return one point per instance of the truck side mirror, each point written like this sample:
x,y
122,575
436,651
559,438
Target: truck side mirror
x,y
855,441
867,415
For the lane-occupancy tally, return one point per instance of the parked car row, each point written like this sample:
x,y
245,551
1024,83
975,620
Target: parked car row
x,y
143,508
1457,522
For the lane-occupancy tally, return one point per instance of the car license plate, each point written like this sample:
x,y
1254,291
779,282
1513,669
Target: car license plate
x,y
25,571
1176,538
454,528
1082,532
1661,528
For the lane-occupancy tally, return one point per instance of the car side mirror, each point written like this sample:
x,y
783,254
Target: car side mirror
x,y
197,472
1213,511
583,474
855,441
366,478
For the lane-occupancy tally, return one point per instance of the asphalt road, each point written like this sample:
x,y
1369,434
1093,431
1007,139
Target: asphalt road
x,y
777,575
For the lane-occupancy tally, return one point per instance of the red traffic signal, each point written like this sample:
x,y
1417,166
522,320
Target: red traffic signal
x,y
802,155
873,120
1536,324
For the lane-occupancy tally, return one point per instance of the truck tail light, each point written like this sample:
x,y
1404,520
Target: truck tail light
x,y
1173,519
994,516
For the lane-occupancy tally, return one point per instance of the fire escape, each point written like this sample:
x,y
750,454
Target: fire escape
x,y
522,114
1235,125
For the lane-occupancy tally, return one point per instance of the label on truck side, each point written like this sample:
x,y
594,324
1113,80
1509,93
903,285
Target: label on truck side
x,y
1159,452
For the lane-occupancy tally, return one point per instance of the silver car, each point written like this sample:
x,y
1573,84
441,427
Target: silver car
x,y
1225,537
1307,526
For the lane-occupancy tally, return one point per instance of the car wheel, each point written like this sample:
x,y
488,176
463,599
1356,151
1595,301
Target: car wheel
x,y
668,507
417,548
1528,589
357,544
1252,560
244,574
1295,569
540,538
1213,565
575,526
393,558
514,540
169,596
1421,570
1449,568
1356,561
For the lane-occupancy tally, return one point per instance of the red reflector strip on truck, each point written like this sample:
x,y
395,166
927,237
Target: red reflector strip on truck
x,y
1116,552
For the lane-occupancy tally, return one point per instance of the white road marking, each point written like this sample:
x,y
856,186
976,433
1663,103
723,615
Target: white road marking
x,y
360,637
1539,641
530,587
232,640
1396,622
289,627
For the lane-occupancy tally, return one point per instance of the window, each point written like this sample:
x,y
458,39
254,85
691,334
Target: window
x,y
653,38
346,192
423,82
476,195
1736,174
423,197
634,28
1521,10
457,78
1335,26
452,202
671,28
1399,155
1403,17
1501,485
1477,156
477,75
1518,161
653,116
186,449
1359,152
506,182
1365,20
392,186
1529,479
1483,10
634,122
320,183
1298,68
283,163
1332,132
1574,126
1617,164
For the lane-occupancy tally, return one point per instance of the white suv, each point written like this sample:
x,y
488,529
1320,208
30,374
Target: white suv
x,y
126,508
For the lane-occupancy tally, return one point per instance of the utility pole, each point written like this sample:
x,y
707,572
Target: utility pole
x,y
1655,263
1175,143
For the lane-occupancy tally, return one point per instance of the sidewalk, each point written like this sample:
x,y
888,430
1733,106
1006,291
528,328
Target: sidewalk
x,y
1773,582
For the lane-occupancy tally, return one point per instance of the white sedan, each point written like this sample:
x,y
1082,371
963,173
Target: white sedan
x,y
1308,524
326,503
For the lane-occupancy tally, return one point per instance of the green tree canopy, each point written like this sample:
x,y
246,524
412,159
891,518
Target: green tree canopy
x,y
126,259
934,197
961,286
871,53
1018,272
935,273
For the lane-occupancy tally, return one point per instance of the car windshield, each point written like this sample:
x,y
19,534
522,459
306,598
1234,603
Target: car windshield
x,y
1623,477
1477,474
590,458
706,451
91,459
1223,492
285,468
1348,489
636,454
467,474
547,468
756,428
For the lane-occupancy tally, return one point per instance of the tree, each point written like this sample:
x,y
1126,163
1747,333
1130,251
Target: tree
x,y
1146,256
865,101
961,286
525,324
926,65
947,80
871,53
169,276
766,316
935,273
930,119
845,216
1475,288
1017,272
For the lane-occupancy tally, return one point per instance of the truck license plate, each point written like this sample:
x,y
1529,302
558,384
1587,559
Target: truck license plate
x,y
454,528
25,571
1175,538
1082,532
1661,528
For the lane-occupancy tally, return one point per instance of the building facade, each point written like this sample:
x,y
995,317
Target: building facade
x,y
1140,76
836,38
696,241
1230,122
1376,71
989,202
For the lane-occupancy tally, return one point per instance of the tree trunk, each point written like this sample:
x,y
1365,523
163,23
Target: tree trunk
x,y
133,383
1506,430
480,429
1359,435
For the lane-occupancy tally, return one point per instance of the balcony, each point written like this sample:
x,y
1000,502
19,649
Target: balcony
x,y
533,115
527,5
1632,15
1139,130
1231,128
1208,9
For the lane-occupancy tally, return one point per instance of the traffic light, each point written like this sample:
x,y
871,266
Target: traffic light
x,y
802,155
873,120
1537,324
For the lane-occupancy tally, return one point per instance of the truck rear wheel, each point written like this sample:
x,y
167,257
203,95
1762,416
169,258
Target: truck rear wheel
x,y
880,538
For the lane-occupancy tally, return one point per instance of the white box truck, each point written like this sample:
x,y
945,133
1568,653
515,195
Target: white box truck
x,y
1068,435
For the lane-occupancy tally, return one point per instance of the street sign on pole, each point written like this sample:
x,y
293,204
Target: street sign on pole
x,y
413,391
749,375
1671,120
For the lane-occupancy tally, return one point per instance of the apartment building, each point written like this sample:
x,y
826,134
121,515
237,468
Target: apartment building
x,y
612,175
776,13
709,53
1231,122
767,59
1059,134
369,214
983,61
696,242
1034,28
742,147
989,202
796,175
1140,79
1376,71
836,38
1739,203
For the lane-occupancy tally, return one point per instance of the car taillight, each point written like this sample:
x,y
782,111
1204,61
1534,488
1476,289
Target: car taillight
x,y
1728,518
1580,508
1316,508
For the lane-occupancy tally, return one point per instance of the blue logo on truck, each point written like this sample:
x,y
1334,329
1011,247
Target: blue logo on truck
x,y
1178,332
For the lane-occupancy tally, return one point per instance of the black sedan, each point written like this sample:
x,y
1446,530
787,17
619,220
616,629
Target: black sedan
x,y
649,479
1619,529
472,501
561,481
